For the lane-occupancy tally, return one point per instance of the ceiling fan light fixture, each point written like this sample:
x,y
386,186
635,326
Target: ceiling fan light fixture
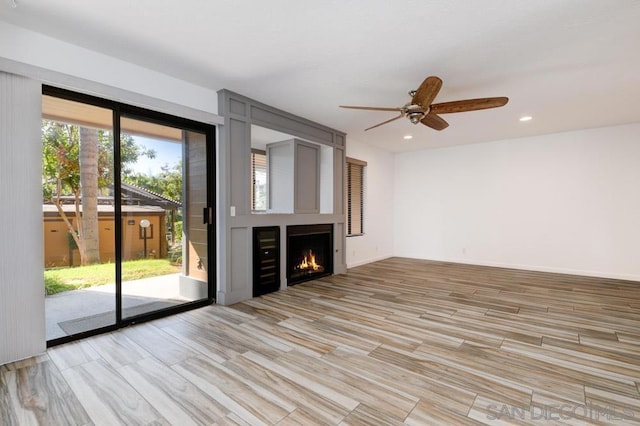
x,y
415,117
526,118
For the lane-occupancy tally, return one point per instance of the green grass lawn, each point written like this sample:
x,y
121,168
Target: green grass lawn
x,y
65,279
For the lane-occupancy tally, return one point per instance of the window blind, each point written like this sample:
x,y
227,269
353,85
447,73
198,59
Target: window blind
x,y
355,196
258,180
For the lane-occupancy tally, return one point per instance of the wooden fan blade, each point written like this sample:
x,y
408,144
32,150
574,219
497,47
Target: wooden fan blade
x,y
468,105
371,108
427,92
434,121
384,122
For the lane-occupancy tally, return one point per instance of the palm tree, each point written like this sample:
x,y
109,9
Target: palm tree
x,y
88,227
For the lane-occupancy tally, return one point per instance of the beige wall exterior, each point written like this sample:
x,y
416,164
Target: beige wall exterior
x,y
56,240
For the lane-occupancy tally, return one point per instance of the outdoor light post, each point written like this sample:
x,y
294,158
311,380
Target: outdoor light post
x,y
144,224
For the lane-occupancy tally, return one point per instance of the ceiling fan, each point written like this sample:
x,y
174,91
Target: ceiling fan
x,y
422,110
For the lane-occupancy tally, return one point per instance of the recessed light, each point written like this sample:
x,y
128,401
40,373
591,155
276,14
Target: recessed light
x,y
526,118
407,137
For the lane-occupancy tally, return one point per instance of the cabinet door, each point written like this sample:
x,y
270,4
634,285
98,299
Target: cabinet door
x,y
306,178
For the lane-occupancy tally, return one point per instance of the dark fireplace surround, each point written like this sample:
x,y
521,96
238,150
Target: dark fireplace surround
x,y
309,252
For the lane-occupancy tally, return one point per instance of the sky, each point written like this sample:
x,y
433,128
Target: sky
x,y
167,152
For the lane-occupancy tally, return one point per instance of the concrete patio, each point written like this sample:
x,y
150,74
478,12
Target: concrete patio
x,y
98,303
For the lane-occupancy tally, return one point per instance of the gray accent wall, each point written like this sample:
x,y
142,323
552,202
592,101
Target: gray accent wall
x,y
235,219
22,325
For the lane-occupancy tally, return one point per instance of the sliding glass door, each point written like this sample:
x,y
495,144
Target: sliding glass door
x,y
162,196
78,217
127,214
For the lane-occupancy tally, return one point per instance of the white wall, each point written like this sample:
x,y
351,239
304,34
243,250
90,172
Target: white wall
x,y
49,54
377,241
565,202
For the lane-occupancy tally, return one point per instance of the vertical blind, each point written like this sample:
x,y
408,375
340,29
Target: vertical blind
x,y
355,196
258,180
22,322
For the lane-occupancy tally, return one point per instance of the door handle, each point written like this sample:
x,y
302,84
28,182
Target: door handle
x,y
207,215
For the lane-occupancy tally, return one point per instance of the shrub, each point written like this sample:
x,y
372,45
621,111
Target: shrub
x,y
175,254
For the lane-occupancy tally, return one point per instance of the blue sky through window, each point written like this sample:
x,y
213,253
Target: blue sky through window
x,y
167,153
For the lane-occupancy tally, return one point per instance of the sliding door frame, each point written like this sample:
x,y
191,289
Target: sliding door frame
x,y
209,130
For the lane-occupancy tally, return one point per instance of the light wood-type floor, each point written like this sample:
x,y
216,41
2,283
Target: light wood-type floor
x,y
397,341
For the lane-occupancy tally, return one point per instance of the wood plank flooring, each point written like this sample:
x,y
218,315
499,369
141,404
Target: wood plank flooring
x,y
394,342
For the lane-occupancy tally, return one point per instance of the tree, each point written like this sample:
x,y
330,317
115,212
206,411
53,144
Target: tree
x,y
167,183
88,227
77,165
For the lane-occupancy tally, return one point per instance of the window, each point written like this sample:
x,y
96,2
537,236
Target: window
x,y
355,196
258,180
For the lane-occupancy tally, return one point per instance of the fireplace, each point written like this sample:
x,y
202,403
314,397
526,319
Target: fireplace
x,y
309,252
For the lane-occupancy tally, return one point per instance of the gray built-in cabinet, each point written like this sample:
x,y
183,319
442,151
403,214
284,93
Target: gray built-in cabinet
x,y
294,177
306,171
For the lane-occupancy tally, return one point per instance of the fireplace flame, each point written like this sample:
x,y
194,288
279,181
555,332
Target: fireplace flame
x,y
309,263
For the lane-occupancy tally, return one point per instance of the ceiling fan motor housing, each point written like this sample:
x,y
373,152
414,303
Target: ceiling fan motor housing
x,y
416,116
415,113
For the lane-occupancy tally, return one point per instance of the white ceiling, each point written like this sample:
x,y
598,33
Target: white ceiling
x,y
571,64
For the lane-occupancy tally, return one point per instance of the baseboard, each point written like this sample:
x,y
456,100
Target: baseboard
x,y
364,262
25,359
568,271
227,298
